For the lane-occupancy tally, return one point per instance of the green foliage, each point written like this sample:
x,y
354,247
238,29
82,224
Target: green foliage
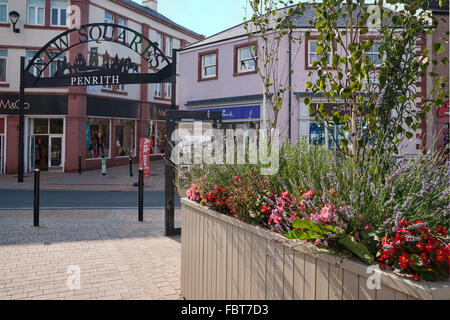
x,y
308,230
376,100
357,248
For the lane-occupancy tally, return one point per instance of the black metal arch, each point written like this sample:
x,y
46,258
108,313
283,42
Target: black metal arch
x,y
151,53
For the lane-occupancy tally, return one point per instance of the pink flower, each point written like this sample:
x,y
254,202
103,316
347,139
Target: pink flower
x,y
274,218
293,216
367,227
309,194
284,194
317,242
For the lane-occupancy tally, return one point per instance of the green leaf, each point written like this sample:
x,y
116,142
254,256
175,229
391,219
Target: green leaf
x,y
307,101
357,248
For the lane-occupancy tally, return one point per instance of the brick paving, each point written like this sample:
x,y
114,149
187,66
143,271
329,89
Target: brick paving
x,y
118,257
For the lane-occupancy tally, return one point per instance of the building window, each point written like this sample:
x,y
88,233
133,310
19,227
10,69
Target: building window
x,y
158,90
159,40
36,9
373,54
58,13
312,56
169,45
97,138
3,64
121,87
3,11
37,67
54,63
208,65
109,18
122,35
167,90
245,61
125,140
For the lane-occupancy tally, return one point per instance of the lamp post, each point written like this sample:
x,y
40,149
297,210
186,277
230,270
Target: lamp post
x,y
14,16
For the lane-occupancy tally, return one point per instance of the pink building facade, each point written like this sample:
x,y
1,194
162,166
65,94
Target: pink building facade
x,y
215,75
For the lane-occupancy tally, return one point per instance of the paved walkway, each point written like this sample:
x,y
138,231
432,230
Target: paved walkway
x,y
118,257
116,178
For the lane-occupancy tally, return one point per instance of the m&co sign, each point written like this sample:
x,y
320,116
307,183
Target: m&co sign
x,y
144,155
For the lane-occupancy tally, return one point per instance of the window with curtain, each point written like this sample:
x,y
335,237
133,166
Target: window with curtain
x,y
36,68
36,12
122,36
109,18
159,40
58,12
54,63
3,63
4,11
169,46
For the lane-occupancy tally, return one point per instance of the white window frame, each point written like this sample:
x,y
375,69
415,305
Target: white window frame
x,y
167,90
4,4
372,55
34,71
204,76
6,66
121,87
169,45
119,30
310,63
159,40
53,63
240,70
109,31
158,90
36,15
58,17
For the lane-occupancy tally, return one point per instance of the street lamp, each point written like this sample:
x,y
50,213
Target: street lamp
x,y
14,16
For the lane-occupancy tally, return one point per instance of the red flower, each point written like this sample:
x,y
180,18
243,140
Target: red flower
x,y
441,230
415,277
419,246
403,222
425,259
382,266
404,261
309,194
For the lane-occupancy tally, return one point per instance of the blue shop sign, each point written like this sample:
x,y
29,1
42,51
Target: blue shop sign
x,y
245,112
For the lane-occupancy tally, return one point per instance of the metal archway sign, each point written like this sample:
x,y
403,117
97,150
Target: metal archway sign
x,y
80,72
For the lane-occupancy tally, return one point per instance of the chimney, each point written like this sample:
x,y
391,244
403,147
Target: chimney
x,y
152,4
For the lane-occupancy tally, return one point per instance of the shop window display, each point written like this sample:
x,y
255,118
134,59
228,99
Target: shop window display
x,y
97,138
125,138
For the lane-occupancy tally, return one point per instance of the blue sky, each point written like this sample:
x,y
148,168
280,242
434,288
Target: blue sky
x,y
206,17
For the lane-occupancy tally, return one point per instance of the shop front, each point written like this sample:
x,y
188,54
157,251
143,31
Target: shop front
x,y
44,131
111,131
239,117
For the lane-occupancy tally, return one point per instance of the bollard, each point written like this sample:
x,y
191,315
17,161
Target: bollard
x,y
141,195
103,166
131,167
36,198
79,165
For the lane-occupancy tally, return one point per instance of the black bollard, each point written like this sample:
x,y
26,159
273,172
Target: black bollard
x,y
36,198
141,195
79,165
131,167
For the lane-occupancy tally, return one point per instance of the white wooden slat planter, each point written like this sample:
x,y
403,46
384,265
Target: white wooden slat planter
x,y
224,258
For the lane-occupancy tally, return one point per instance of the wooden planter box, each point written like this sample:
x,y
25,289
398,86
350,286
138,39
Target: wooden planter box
x,y
224,258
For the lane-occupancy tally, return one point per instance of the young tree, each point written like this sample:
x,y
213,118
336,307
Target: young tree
x,y
375,94
270,23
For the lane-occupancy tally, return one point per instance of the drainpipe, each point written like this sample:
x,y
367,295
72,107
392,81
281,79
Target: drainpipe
x,y
290,83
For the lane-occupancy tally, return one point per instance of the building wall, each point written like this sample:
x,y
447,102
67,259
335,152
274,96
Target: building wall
x,y
34,37
228,85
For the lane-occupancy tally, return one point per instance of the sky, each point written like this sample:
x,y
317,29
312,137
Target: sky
x,y
205,17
